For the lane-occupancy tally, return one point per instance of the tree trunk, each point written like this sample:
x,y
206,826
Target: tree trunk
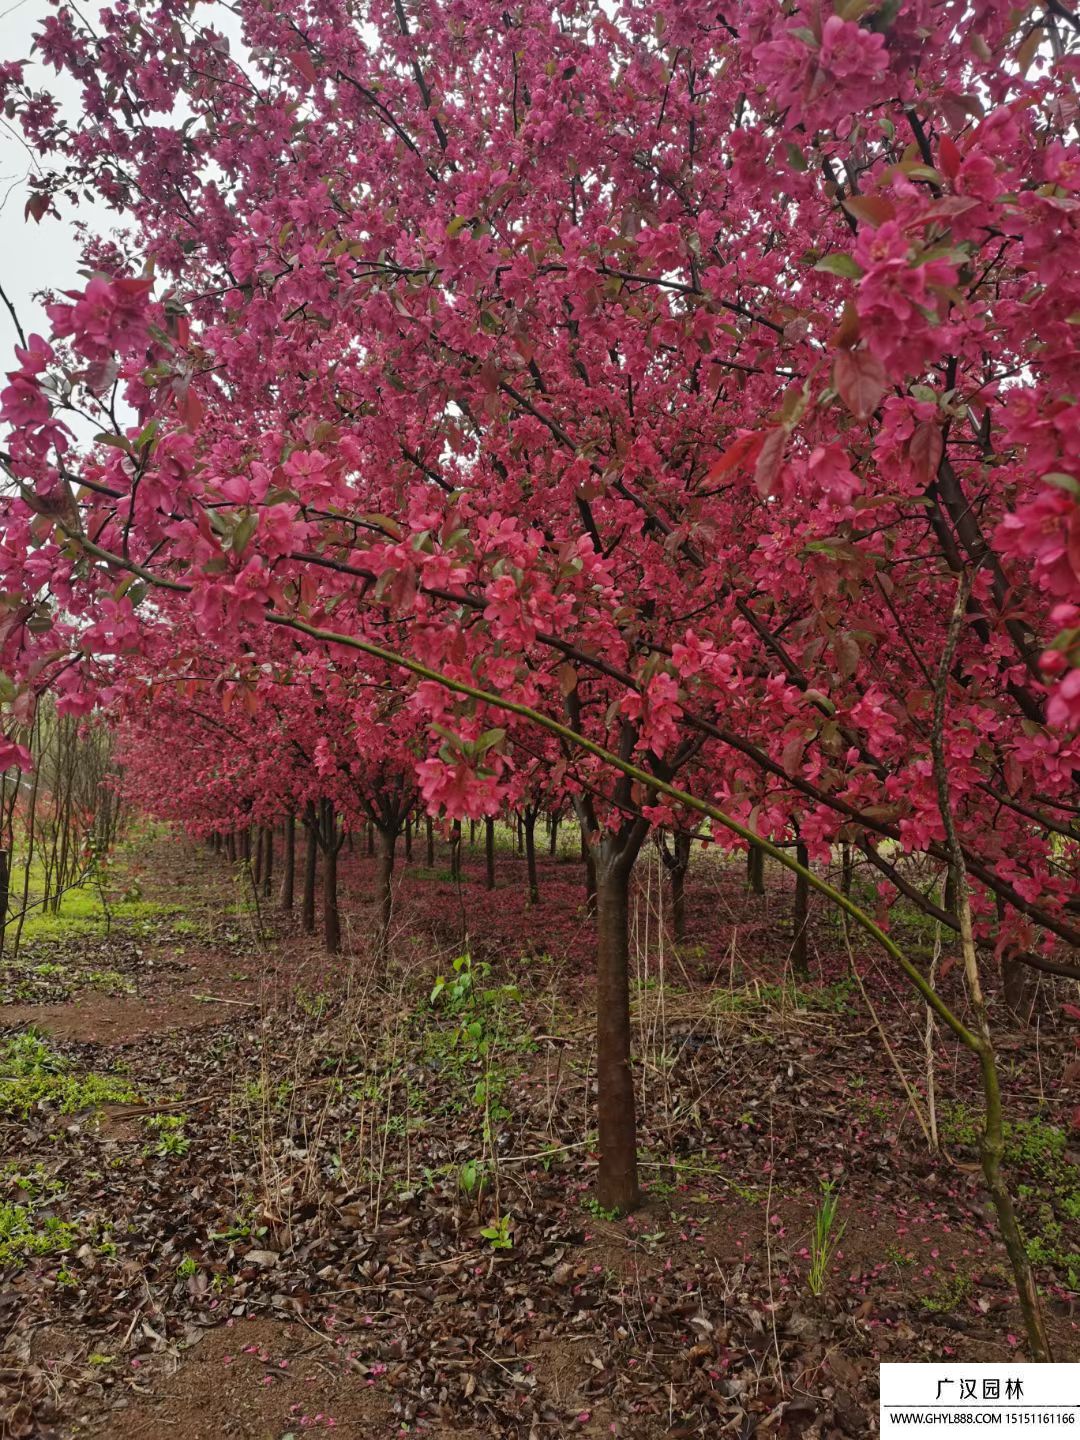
x,y
800,955
369,839
755,870
678,886
257,863
528,822
950,891
553,835
307,904
331,917
847,867
430,835
489,850
455,851
288,881
408,837
385,846
5,883
590,873
472,834
617,1181
267,860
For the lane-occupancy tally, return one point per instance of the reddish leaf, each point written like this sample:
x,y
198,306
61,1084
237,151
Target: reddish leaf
x,y
874,209
859,379
948,157
925,448
302,60
190,408
770,459
741,451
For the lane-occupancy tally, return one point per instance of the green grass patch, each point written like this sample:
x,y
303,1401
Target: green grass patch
x,y
24,1230
33,1074
835,999
1048,1193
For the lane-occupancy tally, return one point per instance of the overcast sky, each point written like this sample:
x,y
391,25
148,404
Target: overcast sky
x,y
31,256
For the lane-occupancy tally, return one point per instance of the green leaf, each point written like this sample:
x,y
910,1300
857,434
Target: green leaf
x,y
116,441
147,434
840,264
488,739
243,533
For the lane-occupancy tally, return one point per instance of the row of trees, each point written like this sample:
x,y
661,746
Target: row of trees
x,y
670,407
59,822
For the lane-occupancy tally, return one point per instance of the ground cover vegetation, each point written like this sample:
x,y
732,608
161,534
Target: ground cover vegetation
x,y
583,518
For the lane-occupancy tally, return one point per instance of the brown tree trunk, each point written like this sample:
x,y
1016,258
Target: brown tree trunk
x,y
385,846
257,863
489,851
590,873
553,835
800,953
678,885
430,837
408,837
267,860
369,839
331,916
288,879
847,867
950,891
311,857
455,851
755,870
528,822
617,1180
5,883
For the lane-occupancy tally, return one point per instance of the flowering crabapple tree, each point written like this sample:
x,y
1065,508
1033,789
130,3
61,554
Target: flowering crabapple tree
x,y
662,367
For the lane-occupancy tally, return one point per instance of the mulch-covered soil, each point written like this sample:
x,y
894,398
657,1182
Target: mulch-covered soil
x,y
281,1229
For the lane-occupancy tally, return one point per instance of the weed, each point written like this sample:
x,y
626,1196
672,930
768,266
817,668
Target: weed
x,y
23,1235
825,1237
595,1208
898,1256
169,1130
111,981
498,1232
950,1294
33,1074
186,1268
832,999
471,1177
314,1006
1050,1207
